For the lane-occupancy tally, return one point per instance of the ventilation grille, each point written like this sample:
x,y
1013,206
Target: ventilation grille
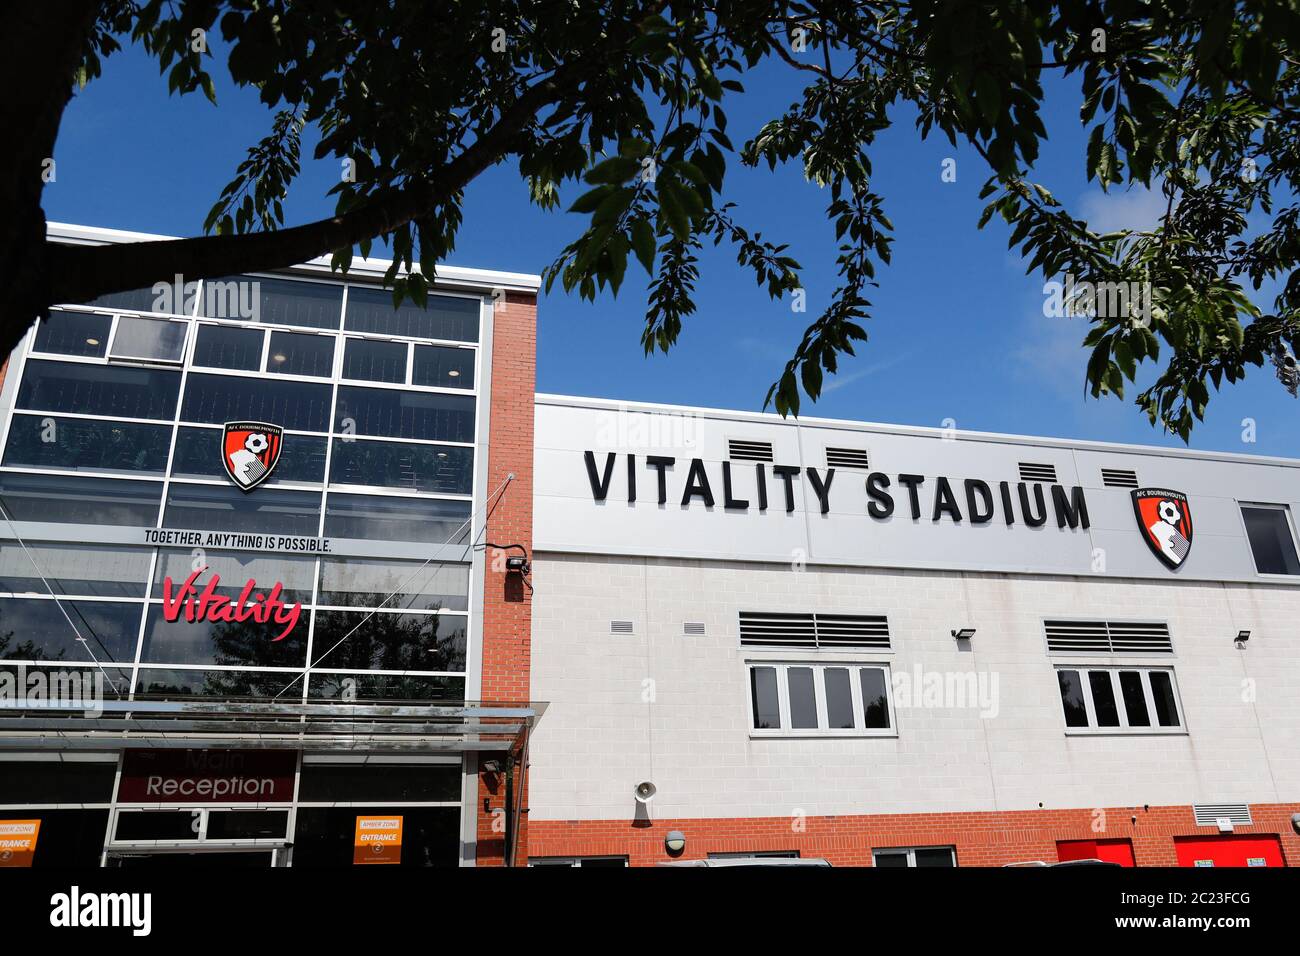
x,y
1119,478
620,627
1109,637
1032,472
847,458
814,630
739,450
693,628
1207,814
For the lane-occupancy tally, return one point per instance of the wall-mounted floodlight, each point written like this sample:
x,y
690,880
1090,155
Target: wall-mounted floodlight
x,y
964,633
1242,638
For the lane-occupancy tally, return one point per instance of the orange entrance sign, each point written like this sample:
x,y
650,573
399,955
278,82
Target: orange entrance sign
x,y
378,840
18,841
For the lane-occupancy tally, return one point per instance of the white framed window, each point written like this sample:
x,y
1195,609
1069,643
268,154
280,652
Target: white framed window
x,y
1119,700
577,861
797,699
1272,538
914,856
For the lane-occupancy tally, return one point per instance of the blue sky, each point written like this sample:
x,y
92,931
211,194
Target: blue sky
x,y
957,329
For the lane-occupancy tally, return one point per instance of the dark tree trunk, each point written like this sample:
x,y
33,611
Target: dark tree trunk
x,y
41,45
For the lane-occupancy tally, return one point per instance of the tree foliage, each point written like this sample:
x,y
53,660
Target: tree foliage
x,y
1198,99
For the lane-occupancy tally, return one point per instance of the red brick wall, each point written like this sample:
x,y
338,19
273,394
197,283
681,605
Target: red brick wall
x,y
981,839
506,632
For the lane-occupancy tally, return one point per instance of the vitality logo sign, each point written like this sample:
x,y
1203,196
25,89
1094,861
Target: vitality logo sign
x,y
1164,519
250,451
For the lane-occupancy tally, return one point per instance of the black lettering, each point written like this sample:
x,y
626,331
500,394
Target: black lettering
x,y
1073,510
697,485
761,474
659,463
881,503
599,486
823,491
944,502
1031,519
913,482
978,516
1007,508
728,501
787,474
631,479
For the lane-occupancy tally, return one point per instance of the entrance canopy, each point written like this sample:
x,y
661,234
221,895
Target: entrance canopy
x,y
373,727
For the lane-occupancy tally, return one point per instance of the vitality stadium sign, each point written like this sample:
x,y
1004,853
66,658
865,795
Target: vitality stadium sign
x,y
763,487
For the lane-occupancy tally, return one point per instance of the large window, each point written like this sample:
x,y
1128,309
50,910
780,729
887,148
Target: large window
x,y
215,399
111,391
402,585
149,340
226,508
1272,542
73,333
440,469
428,416
199,455
797,699
73,500
32,629
79,444
445,317
1119,699
313,305
430,520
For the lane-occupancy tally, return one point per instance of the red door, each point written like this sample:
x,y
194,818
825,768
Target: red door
x,y
1112,851
1228,850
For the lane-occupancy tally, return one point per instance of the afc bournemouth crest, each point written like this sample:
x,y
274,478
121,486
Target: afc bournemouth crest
x,y
250,452
1165,520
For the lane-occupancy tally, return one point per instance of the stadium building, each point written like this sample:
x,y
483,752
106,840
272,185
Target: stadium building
x,y
359,595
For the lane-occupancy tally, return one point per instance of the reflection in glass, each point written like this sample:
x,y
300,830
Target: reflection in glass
x,y
216,399
875,698
934,856
1135,701
1103,698
442,366
446,317
839,698
73,333
97,570
389,642
158,340
375,361
270,511
116,391
236,568
323,836
183,684
198,455
1076,713
385,687
221,346
1162,691
803,697
397,782
767,708
397,414
78,444
74,500
405,585
429,520
36,630
301,353
1271,540
242,643
440,469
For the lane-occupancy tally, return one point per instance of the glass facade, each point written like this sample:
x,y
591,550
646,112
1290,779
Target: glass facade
x,y
114,425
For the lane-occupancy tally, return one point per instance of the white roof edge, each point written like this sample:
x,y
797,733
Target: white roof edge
x,y
920,431
366,268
